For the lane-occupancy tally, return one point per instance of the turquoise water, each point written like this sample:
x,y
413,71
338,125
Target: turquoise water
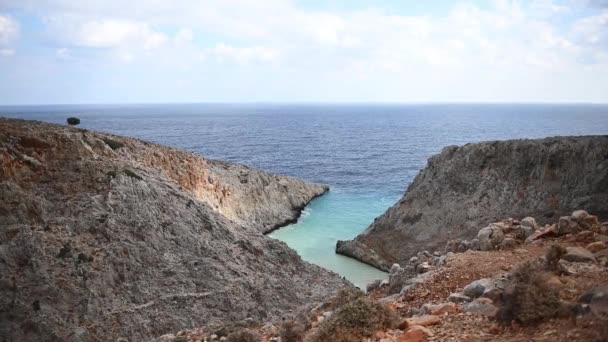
x,y
366,153
335,216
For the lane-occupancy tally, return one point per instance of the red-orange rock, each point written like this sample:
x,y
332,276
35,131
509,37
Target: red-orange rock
x,y
445,308
416,333
424,320
595,247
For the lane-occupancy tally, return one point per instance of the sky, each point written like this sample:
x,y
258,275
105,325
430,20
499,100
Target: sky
x,y
151,51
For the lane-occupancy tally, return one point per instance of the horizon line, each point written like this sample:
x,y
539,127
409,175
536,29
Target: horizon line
x,y
307,103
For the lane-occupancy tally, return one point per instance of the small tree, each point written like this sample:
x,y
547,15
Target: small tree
x,y
72,121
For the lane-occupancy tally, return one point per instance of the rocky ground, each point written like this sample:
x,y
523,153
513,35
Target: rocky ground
x,y
467,186
111,238
541,284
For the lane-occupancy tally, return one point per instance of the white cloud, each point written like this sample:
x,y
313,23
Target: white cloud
x,y
184,36
9,29
102,33
7,52
244,55
111,33
468,48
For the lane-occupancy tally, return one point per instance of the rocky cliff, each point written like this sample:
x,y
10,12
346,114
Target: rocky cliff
x,y
463,189
105,237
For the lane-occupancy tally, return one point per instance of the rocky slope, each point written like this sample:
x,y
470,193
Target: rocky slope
x,y
549,286
105,237
464,188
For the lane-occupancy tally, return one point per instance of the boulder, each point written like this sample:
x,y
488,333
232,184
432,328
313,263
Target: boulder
x,y
478,287
415,333
373,285
490,237
481,306
440,309
474,244
595,247
452,246
459,297
529,222
423,267
578,254
597,299
394,269
567,225
585,220
545,232
508,243
424,320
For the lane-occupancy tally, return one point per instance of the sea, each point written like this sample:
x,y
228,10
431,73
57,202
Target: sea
x,y
366,153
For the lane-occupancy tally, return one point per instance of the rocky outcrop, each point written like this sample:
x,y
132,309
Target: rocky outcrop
x,y
105,237
463,189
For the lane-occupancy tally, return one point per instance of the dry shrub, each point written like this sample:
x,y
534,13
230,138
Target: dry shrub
x,y
527,298
355,321
244,335
291,331
553,255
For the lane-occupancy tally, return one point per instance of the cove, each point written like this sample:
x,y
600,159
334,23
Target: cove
x,y
337,215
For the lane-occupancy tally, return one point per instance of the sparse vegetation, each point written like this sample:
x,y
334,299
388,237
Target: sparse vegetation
x,y
73,121
291,331
244,335
553,255
65,251
355,321
132,174
114,144
528,299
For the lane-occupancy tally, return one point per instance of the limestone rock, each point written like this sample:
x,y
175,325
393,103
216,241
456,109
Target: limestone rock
x,y
467,187
578,254
478,287
481,306
140,240
529,222
360,251
458,297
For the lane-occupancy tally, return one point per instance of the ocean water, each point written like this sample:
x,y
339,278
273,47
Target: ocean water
x,y
367,153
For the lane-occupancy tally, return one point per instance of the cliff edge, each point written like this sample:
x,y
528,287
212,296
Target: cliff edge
x,y
105,237
463,189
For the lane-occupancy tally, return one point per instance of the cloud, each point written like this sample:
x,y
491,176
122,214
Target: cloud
x,y
105,33
9,30
244,55
7,52
464,50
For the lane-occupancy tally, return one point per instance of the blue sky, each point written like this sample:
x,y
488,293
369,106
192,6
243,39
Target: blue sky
x,y
112,51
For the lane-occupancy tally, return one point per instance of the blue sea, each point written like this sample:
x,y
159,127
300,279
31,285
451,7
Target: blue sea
x,y
367,153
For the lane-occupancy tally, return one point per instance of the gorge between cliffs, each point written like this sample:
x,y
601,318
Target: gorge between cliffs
x,y
109,237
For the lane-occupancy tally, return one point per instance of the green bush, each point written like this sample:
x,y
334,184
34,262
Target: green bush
x,y
355,321
72,121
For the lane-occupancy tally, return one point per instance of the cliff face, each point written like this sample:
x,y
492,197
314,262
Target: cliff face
x,y
463,189
103,237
